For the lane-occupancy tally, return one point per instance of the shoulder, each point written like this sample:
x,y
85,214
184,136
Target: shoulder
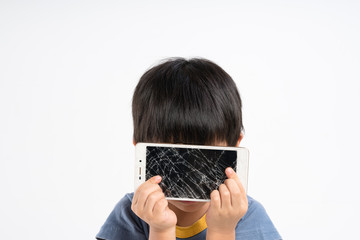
x,y
123,207
256,224
255,210
123,222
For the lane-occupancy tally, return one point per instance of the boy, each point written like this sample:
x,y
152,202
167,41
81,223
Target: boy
x,y
188,102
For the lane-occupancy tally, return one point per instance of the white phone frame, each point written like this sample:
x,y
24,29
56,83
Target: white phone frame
x,y
140,163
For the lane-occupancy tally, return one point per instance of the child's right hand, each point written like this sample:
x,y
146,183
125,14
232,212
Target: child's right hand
x,y
150,205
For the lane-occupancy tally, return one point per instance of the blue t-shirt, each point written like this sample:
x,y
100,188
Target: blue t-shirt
x,y
123,223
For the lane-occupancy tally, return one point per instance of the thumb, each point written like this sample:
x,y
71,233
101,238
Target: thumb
x,y
155,179
231,174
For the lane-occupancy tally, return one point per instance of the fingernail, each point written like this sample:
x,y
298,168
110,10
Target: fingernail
x,y
157,179
229,170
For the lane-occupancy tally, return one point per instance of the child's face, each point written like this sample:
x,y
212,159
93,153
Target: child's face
x,y
188,206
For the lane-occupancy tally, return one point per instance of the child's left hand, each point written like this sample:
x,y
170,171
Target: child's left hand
x,y
227,206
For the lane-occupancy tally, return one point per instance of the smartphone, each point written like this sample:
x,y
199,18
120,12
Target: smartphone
x,y
189,172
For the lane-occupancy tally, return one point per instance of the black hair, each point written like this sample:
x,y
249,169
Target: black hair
x,y
187,101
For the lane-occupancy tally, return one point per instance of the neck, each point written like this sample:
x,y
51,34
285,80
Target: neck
x,y
185,219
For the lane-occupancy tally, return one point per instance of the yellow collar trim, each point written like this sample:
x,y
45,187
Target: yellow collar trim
x,y
197,227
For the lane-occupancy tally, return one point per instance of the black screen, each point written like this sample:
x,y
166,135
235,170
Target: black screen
x,y
189,172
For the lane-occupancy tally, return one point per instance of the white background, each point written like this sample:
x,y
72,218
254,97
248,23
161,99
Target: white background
x,y
68,70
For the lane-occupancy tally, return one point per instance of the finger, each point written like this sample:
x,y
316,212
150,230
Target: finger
x,y
235,193
231,174
160,206
151,201
153,180
224,196
215,200
145,190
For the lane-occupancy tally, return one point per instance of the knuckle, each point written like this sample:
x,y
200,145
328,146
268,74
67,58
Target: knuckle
x,y
142,194
158,206
230,182
226,182
152,197
223,188
226,193
216,197
157,195
146,192
161,202
236,190
237,194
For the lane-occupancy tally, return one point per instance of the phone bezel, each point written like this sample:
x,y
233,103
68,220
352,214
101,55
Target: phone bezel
x,y
140,163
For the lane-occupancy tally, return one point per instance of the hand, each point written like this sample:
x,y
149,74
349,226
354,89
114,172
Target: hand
x,y
227,206
150,205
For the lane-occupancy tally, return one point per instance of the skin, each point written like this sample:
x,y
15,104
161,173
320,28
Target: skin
x,y
225,209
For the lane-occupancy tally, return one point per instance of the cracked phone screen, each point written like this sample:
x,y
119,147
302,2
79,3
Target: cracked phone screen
x,y
189,172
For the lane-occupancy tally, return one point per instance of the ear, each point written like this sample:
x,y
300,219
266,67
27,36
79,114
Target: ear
x,y
134,142
240,138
